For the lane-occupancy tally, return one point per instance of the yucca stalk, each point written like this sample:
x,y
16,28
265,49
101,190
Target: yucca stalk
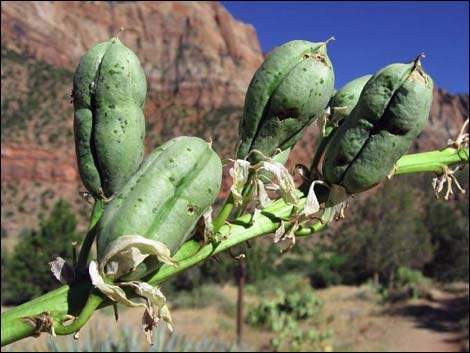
x,y
81,300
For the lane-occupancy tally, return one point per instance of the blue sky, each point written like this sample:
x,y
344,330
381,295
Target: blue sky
x,y
370,35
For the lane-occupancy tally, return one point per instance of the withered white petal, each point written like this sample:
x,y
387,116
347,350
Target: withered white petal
x,y
336,200
272,187
130,250
263,197
155,299
311,204
208,226
280,232
148,323
111,268
256,213
340,113
323,120
124,262
62,271
239,173
113,292
284,180
165,315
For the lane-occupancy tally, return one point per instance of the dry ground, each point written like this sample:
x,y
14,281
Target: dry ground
x,y
359,322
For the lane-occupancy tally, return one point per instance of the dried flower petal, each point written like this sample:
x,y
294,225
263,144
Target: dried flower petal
x,y
208,226
291,237
284,181
62,271
256,213
239,173
336,200
125,253
280,232
41,322
156,307
113,292
311,204
155,302
323,119
448,178
263,197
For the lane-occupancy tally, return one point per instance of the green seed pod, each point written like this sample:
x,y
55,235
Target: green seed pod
x,y
287,93
342,103
83,116
164,198
109,125
348,95
392,110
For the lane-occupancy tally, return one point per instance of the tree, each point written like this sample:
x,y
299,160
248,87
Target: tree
x,y
386,232
448,226
27,273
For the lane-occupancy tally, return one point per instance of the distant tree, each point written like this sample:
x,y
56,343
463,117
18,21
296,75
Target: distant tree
x,y
449,228
387,231
26,274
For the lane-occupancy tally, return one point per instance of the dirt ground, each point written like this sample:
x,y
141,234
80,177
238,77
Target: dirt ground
x,y
358,320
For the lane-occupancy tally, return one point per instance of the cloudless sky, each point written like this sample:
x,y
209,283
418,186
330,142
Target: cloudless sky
x,y
370,35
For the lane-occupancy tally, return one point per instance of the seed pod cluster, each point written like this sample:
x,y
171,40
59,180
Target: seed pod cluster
x,y
392,110
109,94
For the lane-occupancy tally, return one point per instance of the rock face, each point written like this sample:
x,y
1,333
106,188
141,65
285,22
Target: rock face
x,y
194,51
34,164
448,112
198,61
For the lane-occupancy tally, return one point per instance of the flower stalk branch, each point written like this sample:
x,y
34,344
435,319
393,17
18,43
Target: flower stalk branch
x,y
80,300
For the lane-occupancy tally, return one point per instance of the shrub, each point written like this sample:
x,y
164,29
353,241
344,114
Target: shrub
x,y
27,273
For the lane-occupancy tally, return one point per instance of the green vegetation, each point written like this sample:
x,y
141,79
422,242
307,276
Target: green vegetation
x,y
284,314
449,229
286,309
126,339
25,273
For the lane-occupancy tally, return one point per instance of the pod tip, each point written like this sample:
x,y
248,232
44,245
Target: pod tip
x,y
332,38
420,56
116,36
209,141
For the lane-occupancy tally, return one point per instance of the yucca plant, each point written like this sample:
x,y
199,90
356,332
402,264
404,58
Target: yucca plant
x,y
145,213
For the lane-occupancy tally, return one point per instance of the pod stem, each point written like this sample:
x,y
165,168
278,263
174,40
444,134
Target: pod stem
x,y
431,162
90,236
224,213
229,204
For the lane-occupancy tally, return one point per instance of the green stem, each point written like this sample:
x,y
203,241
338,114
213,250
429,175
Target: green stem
x,y
433,161
224,213
226,210
241,230
90,236
246,192
81,300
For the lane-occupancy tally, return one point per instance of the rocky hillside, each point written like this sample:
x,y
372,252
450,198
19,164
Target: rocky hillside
x,y
198,60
